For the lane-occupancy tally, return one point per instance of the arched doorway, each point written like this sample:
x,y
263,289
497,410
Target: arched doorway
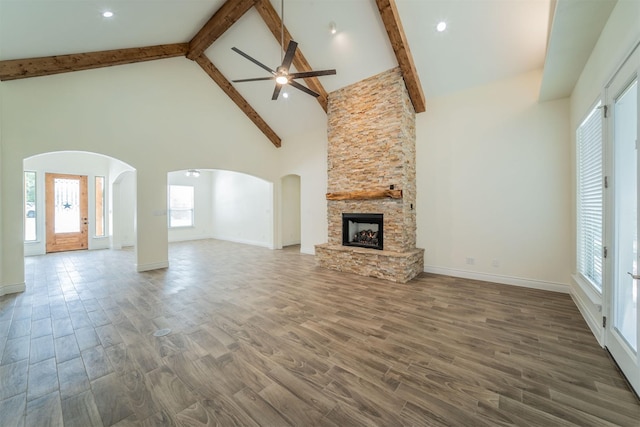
x,y
100,173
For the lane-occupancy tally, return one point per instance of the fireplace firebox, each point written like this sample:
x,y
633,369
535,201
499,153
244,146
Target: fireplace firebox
x,y
362,229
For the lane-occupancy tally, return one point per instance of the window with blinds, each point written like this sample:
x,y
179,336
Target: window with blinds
x,y
590,197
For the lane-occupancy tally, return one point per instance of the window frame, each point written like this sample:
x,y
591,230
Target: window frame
x,y
590,199
190,208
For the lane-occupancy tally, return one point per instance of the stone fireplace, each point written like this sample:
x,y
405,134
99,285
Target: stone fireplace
x,y
371,180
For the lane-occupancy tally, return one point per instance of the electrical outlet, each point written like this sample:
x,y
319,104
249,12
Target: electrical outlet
x,y
495,263
471,261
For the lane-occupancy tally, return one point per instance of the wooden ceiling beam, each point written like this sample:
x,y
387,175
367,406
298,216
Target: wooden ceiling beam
x,y
44,66
272,19
393,25
239,100
220,22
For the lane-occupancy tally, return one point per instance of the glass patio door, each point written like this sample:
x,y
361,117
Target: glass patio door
x,y
622,298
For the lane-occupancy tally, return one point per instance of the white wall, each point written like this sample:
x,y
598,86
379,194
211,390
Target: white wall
x,y
494,185
290,210
305,155
122,210
157,116
203,194
618,37
242,208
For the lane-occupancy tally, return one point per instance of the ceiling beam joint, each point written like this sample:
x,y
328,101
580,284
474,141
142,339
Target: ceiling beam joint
x,y
393,25
221,21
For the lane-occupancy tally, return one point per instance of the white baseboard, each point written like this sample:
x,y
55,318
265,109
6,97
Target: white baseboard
x,y
12,289
245,241
309,250
153,266
495,278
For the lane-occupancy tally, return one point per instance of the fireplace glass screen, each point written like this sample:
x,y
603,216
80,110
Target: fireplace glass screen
x,y
363,230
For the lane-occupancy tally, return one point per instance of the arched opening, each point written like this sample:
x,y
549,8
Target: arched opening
x,y
106,181
220,204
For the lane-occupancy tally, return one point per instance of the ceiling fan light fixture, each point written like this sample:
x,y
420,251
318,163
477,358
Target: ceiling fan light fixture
x,y
281,74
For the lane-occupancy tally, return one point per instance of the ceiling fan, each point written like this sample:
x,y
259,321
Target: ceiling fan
x,y
281,74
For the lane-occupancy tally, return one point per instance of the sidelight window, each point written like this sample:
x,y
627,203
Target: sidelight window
x,y
99,189
30,229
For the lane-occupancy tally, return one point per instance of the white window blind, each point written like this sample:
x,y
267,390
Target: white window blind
x,y
590,197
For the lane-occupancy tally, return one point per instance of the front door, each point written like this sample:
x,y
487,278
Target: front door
x,y
622,293
66,212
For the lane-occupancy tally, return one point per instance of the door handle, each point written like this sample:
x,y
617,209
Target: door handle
x,y
635,276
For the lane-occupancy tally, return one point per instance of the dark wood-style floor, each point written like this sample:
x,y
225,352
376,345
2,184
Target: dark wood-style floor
x,y
261,337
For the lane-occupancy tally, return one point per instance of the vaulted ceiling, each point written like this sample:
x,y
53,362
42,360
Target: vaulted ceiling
x,y
485,40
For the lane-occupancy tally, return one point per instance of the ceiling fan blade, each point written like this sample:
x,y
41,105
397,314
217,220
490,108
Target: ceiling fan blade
x,y
305,74
276,92
288,56
255,61
256,79
304,89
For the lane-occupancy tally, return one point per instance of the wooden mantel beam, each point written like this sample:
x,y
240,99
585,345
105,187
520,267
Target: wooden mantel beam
x,y
220,22
391,19
13,69
235,96
272,19
365,195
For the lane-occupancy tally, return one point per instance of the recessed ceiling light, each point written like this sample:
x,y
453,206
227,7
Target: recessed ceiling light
x,y
107,14
441,26
332,28
285,95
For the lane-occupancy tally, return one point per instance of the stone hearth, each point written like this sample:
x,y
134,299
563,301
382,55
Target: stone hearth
x,y
371,135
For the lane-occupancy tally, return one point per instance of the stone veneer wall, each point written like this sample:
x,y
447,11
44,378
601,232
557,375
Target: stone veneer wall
x,y
371,136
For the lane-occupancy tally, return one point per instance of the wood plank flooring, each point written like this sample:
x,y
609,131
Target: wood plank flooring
x,y
266,338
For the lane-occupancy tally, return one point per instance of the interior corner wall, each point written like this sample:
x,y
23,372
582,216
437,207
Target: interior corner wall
x,y
123,209
242,208
305,155
290,210
493,185
620,34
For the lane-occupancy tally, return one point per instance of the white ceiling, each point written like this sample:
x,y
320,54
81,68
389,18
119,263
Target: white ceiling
x,y
485,40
